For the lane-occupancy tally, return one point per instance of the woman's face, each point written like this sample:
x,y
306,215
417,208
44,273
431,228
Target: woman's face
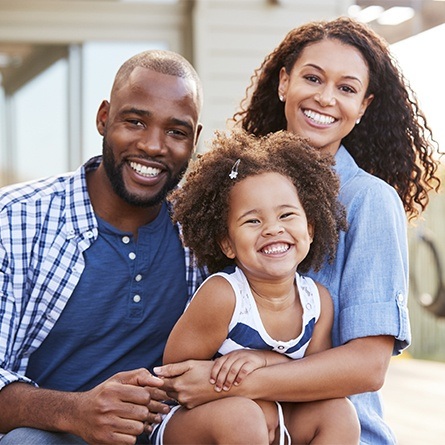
x,y
324,93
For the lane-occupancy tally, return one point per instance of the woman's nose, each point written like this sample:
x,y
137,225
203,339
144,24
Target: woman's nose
x,y
326,97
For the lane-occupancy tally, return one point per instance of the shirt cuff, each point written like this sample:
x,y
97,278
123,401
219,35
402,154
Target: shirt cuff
x,y
373,319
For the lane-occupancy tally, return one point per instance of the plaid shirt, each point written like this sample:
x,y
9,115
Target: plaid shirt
x,y
45,226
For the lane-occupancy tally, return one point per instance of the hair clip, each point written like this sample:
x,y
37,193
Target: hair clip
x,y
234,173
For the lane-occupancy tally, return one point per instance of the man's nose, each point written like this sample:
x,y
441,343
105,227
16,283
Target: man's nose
x,y
152,141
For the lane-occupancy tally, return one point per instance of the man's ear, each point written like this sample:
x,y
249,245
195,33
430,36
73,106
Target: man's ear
x,y
226,247
102,117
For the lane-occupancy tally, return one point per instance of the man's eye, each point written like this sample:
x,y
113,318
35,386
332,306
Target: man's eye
x,y
135,122
177,133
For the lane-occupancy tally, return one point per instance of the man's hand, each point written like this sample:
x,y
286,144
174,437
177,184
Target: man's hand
x,y
117,410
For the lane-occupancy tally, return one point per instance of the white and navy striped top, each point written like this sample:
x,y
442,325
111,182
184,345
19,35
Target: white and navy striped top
x,y
246,330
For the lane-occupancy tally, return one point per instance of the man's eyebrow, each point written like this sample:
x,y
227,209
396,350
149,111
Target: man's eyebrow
x,y
136,111
181,123
145,113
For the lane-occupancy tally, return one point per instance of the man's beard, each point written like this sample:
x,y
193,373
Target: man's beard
x,y
115,176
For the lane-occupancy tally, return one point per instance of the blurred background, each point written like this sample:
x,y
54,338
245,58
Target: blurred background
x,y
58,59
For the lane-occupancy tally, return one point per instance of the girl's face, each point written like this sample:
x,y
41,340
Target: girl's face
x,y
268,233
325,93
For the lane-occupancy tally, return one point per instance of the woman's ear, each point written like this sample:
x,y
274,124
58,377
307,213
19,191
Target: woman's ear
x,y
283,84
226,247
365,104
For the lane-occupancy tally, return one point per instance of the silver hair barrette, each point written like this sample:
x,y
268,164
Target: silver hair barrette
x,y
234,173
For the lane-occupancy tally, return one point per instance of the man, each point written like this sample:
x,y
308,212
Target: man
x,y
93,274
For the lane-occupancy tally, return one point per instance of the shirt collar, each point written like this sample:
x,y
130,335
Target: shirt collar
x,y
80,216
345,165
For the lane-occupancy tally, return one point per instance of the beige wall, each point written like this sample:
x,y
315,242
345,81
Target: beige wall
x,y
231,38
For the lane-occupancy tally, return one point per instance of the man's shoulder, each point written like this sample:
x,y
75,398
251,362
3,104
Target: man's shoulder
x,y
33,191
69,184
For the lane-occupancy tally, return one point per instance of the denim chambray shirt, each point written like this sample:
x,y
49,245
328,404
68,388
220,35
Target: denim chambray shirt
x,y
368,280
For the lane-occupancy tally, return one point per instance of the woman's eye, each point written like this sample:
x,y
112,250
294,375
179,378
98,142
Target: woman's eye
x,y
312,79
347,89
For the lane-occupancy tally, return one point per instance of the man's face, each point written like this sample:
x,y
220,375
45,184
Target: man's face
x,y
149,128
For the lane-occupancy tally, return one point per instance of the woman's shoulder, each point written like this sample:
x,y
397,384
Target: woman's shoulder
x,y
364,188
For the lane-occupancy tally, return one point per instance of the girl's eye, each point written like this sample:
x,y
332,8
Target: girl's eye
x,y
286,215
252,221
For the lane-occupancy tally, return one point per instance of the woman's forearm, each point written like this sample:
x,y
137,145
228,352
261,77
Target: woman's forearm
x,y
359,366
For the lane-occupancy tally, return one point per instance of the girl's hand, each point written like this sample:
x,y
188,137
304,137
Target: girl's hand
x,y
232,368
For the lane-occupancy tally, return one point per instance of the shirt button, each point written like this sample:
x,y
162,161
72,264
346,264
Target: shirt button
x,y
308,306
137,298
125,239
138,277
89,234
281,347
400,297
132,255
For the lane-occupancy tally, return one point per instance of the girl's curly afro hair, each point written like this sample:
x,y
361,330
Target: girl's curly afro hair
x,y
201,205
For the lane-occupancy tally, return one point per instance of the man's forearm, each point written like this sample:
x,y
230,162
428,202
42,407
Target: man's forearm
x,y
22,404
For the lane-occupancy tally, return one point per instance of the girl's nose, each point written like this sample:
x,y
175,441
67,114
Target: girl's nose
x,y
273,229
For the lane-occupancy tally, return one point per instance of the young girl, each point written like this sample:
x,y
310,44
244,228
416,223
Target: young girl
x,y
254,210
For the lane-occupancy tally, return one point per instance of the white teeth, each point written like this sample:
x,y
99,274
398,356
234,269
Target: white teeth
x,y
276,248
319,118
143,170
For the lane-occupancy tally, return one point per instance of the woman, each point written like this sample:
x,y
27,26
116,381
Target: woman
x,y
337,84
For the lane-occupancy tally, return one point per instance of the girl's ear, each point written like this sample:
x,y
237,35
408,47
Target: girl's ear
x,y
226,247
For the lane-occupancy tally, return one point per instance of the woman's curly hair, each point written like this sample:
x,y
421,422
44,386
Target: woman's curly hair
x,y
393,140
201,205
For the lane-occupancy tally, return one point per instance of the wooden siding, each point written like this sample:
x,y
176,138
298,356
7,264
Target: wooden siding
x,y
428,330
231,38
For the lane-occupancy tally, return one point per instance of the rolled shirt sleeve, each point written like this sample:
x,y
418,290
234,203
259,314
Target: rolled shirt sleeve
x,y
368,279
372,292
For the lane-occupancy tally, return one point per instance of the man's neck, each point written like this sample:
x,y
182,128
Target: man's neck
x,y
113,209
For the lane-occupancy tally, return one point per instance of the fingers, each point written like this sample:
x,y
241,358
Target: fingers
x,y
121,431
138,377
230,372
172,369
158,394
